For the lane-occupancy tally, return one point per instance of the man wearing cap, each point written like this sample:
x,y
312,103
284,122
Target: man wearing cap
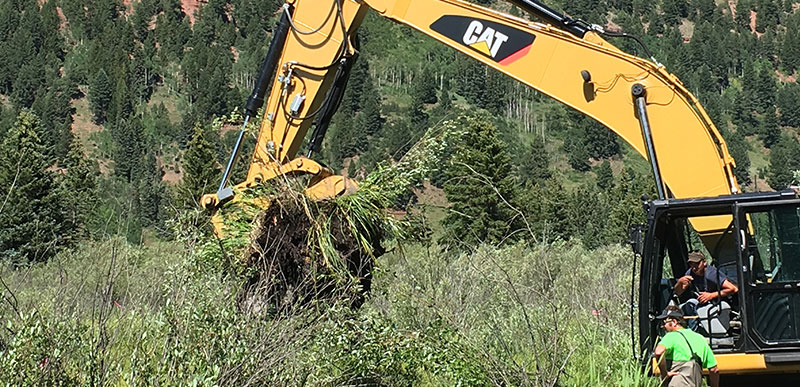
x,y
708,282
682,354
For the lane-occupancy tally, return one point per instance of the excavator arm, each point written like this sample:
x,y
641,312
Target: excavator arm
x,y
314,46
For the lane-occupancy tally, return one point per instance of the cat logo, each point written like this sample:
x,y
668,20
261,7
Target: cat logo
x,y
501,43
485,40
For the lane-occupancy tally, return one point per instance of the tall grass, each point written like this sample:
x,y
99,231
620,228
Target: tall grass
x,y
109,313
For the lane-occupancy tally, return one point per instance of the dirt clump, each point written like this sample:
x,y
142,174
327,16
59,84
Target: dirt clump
x,y
291,261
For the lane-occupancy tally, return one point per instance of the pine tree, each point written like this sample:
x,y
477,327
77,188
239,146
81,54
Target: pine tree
x,y
79,187
479,187
674,11
423,88
605,176
32,222
28,83
784,160
600,142
766,89
201,172
152,193
768,15
738,147
128,148
55,112
534,163
769,132
575,147
121,106
707,10
100,94
790,49
789,105
545,209
742,18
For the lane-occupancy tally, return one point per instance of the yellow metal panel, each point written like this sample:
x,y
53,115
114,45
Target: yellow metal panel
x,y
743,363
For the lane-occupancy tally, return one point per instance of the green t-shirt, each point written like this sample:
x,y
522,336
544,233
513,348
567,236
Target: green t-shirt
x,y
678,350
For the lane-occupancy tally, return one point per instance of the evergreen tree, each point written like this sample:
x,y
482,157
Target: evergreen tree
x,y
790,48
738,148
534,163
128,148
479,187
769,132
28,83
768,15
201,172
789,105
766,89
55,112
370,114
674,11
706,10
100,94
575,147
742,18
600,142
121,106
152,193
545,209
79,189
423,88
605,176
784,160
32,222
172,30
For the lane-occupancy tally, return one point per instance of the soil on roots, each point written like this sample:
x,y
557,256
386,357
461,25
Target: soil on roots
x,y
286,270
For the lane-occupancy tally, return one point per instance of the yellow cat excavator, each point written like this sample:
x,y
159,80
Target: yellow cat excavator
x,y
753,239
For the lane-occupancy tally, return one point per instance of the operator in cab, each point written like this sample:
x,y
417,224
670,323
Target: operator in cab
x,y
705,281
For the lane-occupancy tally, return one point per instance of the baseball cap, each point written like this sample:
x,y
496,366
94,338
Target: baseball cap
x,y
696,256
670,313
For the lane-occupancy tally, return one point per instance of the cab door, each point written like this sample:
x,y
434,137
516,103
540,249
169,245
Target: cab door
x,y
769,247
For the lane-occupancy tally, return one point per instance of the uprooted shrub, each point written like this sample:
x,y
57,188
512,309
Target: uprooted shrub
x,y
294,250
301,250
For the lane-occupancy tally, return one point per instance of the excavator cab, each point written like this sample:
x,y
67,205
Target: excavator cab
x,y
755,331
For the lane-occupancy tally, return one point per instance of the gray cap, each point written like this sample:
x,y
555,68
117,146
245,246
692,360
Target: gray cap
x,y
696,256
670,313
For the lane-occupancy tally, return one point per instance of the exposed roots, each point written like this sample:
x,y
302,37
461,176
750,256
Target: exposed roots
x,y
300,253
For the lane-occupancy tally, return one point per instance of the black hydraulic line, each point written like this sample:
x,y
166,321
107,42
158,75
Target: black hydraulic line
x,y
267,72
256,100
331,103
632,306
552,16
624,35
638,92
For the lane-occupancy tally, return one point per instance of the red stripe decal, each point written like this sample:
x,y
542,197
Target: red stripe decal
x,y
513,57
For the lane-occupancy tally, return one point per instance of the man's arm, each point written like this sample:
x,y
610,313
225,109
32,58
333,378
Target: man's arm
x,y
728,288
713,376
682,284
662,363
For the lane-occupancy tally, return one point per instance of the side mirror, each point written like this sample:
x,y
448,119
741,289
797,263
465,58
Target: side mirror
x,y
636,238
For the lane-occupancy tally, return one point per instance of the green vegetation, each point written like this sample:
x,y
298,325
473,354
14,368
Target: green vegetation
x,y
110,313
506,207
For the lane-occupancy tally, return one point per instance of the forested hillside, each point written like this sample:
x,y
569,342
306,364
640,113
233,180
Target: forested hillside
x,y
116,116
